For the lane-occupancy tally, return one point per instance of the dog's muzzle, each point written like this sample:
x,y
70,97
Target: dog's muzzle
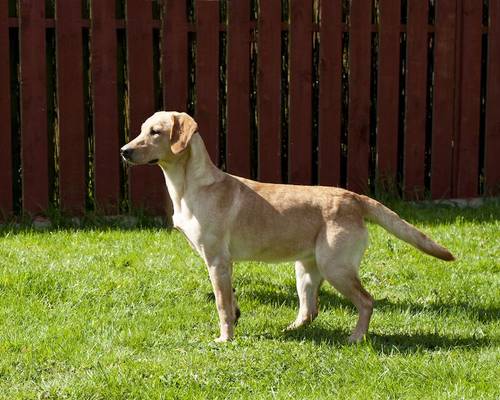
x,y
126,154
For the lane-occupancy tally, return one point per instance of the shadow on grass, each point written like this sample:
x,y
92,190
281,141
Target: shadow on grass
x,y
86,224
383,343
387,343
287,296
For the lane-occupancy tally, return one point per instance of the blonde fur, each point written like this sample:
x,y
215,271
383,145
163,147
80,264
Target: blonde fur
x,y
227,218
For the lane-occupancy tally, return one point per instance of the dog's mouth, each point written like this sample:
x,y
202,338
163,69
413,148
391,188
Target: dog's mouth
x,y
154,161
128,161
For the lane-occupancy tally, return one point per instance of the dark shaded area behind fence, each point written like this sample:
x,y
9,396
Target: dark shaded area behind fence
x,y
400,95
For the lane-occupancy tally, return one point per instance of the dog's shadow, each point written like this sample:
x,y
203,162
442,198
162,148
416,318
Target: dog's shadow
x,y
386,343
405,343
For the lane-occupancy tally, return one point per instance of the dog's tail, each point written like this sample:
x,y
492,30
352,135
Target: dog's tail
x,y
392,222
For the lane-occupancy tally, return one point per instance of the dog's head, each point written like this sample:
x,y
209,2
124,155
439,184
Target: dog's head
x,y
164,136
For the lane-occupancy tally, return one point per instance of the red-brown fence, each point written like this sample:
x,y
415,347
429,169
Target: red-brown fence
x,y
360,93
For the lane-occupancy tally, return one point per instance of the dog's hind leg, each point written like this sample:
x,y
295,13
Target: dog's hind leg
x,y
338,255
309,280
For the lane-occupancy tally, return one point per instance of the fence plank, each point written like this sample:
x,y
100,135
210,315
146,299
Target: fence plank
x,y
388,91
330,102
34,153
466,173
5,123
207,74
105,107
268,87
416,100
358,146
492,134
238,89
300,128
147,187
444,97
175,56
70,107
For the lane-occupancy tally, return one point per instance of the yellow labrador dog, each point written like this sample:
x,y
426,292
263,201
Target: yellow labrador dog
x,y
227,218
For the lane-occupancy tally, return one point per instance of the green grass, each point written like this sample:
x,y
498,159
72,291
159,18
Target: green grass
x,y
104,313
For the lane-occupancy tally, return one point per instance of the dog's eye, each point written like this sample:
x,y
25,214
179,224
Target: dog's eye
x,y
154,133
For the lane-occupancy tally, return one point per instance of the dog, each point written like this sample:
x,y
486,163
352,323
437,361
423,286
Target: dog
x,y
227,218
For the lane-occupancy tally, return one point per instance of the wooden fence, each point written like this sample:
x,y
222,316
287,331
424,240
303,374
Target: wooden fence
x,y
364,94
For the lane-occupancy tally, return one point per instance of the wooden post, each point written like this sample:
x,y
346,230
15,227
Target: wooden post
x,y
105,107
72,186
34,142
358,139
268,87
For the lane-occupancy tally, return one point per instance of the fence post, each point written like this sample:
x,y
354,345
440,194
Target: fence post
x,y
105,106
492,134
72,151
268,91
175,55
444,98
207,74
300,128
238,88
147,186
416,99
5,123
466,143
388,91
330,92
34,141
358,149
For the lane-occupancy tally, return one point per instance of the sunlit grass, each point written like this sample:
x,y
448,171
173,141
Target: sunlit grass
x,y
101,313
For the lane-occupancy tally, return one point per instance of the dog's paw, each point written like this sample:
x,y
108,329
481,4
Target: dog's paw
x,y
223,339
356,338
299,323
295,325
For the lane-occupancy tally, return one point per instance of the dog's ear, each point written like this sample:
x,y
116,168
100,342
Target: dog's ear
x,y
182,129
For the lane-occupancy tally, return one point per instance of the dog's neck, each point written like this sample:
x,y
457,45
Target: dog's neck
x,y
191,171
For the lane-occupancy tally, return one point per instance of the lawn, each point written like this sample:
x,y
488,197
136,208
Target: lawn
x,y
107,313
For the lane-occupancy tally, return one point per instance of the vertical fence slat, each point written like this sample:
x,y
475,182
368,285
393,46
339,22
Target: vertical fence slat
x,y
416,103
456,95
70,103
34,142
300,130
466,173
388,90
358,146
268,86
444,98
175,56
105,107
5,123
238,89
492,134
330,107
207,74
147,188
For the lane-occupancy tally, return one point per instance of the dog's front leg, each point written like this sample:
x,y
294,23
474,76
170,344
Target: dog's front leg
x,y
220,276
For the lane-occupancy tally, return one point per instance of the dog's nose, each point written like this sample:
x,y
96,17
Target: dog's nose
x,y
126,153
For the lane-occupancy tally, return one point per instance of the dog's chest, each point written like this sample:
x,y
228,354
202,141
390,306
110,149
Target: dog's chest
x,y
190,227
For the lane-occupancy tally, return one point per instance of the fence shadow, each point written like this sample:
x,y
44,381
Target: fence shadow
x,y
445,213
416,213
